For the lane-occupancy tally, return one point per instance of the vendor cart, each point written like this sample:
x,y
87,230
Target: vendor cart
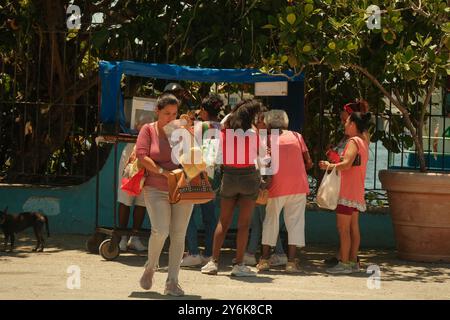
x,y
112,127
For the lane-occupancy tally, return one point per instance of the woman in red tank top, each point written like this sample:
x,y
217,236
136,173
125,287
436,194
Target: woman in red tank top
x,y
351,196
240,183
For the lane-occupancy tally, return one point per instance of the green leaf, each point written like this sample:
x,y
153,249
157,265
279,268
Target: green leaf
x,y
409,54
308,9
332,45
389,37
307,48
352,46
427,41
419,38
416,67
268,26
283,59
291,17
289,9
446,27
336,25
447,42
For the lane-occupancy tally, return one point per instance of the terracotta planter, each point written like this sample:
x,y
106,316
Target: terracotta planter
x,y
420,208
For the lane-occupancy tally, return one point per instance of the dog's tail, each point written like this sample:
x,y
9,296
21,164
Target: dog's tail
x,y
46,225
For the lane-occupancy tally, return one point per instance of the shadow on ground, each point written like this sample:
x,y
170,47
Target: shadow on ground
x,y
311,260
157,296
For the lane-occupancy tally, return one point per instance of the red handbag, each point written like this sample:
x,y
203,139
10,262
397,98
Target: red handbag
x,y
133,186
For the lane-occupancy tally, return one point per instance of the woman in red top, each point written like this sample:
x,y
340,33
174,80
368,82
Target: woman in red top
x,y
240,183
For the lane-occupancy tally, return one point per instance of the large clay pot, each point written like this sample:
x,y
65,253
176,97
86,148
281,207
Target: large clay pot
x,y
420,208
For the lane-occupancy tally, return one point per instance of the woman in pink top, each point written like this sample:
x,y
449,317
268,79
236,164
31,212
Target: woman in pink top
x,y
287,190
351,196
154,153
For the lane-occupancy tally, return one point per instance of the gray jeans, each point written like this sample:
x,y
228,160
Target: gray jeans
x,y
166,220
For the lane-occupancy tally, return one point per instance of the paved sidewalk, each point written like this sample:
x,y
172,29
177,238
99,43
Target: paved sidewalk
x,y
29,275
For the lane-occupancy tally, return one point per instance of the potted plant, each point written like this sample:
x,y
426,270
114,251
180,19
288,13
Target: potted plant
x,y
402,49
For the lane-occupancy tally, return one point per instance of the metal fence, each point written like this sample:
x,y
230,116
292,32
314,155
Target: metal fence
x,y
436,137
31,113
47,132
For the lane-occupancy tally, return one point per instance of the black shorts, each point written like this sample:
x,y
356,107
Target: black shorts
x,y
240,183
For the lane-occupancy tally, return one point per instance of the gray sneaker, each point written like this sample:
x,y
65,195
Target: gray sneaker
x,y
341,268
241,270
355,266
191,261
173,289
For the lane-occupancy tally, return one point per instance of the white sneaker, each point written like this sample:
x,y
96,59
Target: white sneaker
x,y
241,270
249,259
135,244
278,260
123,243
210,268
191,261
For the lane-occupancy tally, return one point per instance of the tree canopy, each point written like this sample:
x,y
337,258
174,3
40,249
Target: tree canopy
x,y
405,59
48,72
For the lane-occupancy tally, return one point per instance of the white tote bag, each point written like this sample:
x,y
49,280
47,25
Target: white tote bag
x,y
328,193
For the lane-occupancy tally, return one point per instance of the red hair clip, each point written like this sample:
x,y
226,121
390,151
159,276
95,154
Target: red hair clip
x,y
348,109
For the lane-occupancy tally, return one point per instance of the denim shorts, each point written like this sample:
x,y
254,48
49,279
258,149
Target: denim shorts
x,y
240,183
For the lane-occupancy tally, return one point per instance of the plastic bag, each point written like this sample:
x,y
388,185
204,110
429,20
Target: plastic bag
x,y
328,193
133,186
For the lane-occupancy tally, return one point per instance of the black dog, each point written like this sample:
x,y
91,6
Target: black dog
x,y
13,224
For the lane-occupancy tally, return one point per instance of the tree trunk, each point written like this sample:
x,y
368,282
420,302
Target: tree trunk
x,y
415,134
60,88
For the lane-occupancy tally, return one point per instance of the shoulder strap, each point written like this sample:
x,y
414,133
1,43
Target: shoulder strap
x,y
205,127
357,141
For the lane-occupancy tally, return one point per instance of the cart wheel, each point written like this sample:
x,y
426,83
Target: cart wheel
x,y
108,250
93,243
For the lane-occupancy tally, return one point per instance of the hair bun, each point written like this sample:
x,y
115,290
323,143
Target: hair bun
x,y
366,116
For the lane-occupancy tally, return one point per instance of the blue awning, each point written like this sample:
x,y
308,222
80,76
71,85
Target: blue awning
x,y
112,71
176,72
